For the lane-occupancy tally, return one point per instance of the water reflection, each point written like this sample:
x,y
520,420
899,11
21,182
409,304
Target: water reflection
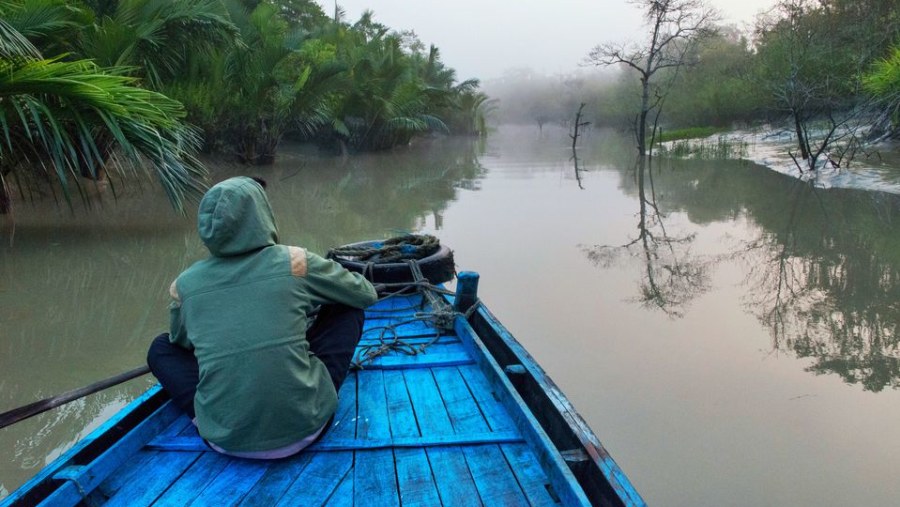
x,y
822,269
672,275
824,280
82,294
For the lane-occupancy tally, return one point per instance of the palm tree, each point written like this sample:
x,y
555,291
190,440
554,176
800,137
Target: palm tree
x,y
157,38
276,80
386,102
63,120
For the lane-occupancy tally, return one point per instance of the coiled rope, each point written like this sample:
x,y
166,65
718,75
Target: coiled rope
x,y
397,249
440,318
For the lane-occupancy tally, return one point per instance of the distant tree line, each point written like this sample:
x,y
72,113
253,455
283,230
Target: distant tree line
x,y
802,60
97,85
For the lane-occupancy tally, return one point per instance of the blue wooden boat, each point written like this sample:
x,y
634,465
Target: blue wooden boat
x,y
452,413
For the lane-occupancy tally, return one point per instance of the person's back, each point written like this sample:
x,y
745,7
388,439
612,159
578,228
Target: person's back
x,y
244,314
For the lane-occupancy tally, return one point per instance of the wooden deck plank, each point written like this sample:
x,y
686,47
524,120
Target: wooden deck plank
x,y
178,426
494,412
493,478
463,410
372,417
402,328
189,431
125,473
501,390
418,483
452,477
434,357
431,413
156,476
276,481
413,340
344,424
208,466
414,478
334,444
343,494
400,411
529,474
374,479
230,486
319,479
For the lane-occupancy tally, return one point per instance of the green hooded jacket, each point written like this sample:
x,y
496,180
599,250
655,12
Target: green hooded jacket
x,y
244,312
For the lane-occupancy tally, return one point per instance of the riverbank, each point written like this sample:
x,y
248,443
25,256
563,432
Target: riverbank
x,y
874,167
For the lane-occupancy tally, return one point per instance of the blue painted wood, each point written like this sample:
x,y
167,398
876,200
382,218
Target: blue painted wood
x,y
403,328
561,477
452,477
207,467
343,494
487,396
373,482
344,424
374,479
372,417
416,340
460,403
400,412
466,291
155,477
434,356
66,458
529,474
273,485
233,482
91,475
444,427
451,472
319,479
431,414
611,471
498,487
178,426
414,478
336,444
125,474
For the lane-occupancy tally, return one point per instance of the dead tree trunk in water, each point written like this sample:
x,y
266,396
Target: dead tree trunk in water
x,y
578,124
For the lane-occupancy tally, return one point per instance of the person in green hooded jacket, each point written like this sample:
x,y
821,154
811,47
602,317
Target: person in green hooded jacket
x,y
238,358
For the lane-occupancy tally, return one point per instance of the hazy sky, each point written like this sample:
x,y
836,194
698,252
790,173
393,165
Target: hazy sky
x,y
483,38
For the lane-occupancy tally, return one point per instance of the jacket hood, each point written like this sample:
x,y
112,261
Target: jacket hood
x,y
235,218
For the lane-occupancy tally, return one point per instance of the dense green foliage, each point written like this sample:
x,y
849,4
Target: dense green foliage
x,y
91,85
69,120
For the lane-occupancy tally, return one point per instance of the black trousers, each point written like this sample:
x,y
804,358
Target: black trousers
x,y
333,337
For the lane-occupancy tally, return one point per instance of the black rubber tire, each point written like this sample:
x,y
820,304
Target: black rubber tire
x,y
436,268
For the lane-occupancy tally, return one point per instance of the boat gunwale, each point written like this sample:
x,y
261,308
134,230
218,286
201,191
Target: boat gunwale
x,y
90,448
544,399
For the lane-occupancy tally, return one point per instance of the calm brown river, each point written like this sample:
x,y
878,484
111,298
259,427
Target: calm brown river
x,y
729,333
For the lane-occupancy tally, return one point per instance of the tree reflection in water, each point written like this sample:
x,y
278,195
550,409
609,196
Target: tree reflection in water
x,y
822,266
826,287
672,275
